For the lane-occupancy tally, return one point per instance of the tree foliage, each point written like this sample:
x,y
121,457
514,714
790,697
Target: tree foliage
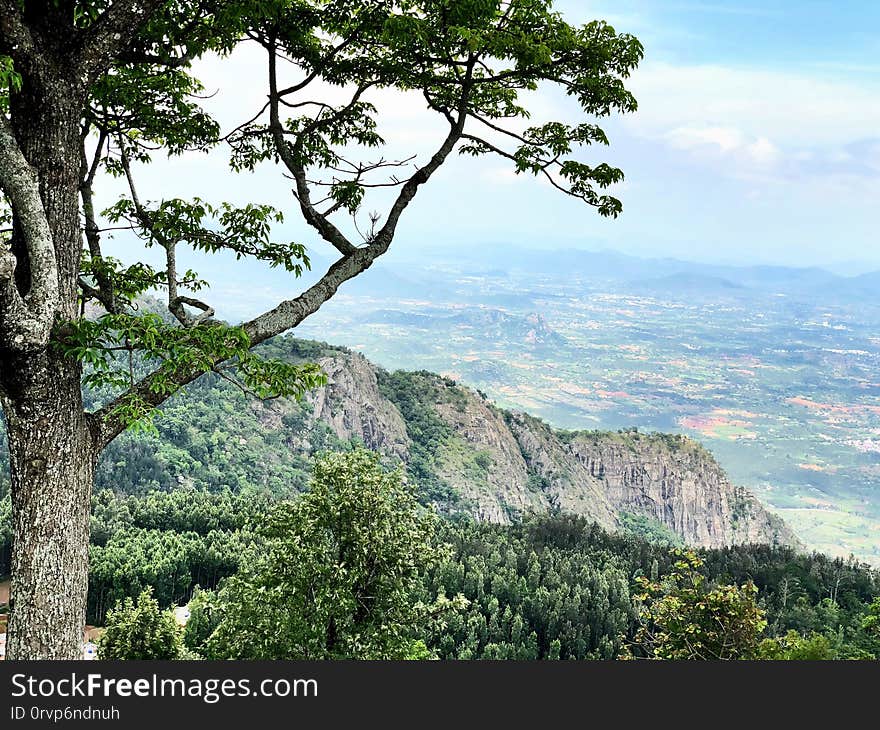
x,y
684,616
139,629
474,64
794,647
168,543
336,574
529,597
549,587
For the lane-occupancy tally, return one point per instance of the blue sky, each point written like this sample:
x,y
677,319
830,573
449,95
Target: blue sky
x,y
758,134
757,140
774,33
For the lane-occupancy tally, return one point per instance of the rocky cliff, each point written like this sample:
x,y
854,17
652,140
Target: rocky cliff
x,y
353,407
497,465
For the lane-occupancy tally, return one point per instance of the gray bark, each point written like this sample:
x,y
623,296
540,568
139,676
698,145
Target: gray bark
x,y
25,319
52,460
52,447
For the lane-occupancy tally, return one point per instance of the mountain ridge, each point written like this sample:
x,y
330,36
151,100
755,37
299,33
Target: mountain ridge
x,y
466,455
497,465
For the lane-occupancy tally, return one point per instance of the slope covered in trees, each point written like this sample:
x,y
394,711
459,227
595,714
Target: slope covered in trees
x,y
561,587
466,456
555,586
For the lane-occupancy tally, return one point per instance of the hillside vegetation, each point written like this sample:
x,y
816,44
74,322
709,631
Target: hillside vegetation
x,y
465,455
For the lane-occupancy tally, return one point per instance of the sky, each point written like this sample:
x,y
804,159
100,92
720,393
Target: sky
x,y
758,132
757,140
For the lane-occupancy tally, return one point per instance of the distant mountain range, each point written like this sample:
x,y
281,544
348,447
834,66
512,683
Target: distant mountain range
x,y
414,273
688,282
663,273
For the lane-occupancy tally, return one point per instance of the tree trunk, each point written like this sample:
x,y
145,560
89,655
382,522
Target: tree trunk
x,y
51,447
47,118
52,459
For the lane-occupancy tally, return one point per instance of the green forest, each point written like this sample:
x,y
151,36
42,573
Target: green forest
x,y
549,587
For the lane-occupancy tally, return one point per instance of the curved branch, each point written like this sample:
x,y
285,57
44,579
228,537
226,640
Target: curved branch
x,y
106,425
409,190
328,231
105,291
26,321
175,306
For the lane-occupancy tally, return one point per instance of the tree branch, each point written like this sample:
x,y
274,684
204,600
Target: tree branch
x,y
26,321
328,231
104,289
409,190
176,302
106,423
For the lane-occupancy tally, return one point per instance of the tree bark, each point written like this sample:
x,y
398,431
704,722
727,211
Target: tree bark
x,y
52,461
51,447
46,118
52,442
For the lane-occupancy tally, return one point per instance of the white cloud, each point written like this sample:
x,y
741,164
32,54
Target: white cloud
x,y
726,139
795,123
801,109
763,151
728,142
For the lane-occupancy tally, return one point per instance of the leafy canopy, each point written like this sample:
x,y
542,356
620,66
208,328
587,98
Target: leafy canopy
x,y
683,616
140,630
337,572
474,63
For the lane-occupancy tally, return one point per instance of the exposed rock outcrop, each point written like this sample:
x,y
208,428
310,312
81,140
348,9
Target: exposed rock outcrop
x,y
353,407
501,465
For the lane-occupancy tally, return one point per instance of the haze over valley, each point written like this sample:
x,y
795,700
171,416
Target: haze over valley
x,y
775,370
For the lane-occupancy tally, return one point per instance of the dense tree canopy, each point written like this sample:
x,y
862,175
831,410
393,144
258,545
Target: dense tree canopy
x,y
336,572
139,629
683,616
547,588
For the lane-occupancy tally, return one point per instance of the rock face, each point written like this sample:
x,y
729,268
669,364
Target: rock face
x,y
353,407
671,480
564,481
676,482
495,490
501,465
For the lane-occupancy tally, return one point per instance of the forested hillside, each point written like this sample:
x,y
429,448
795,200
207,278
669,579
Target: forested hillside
x,y
558,587
466,456
551,587
546,533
